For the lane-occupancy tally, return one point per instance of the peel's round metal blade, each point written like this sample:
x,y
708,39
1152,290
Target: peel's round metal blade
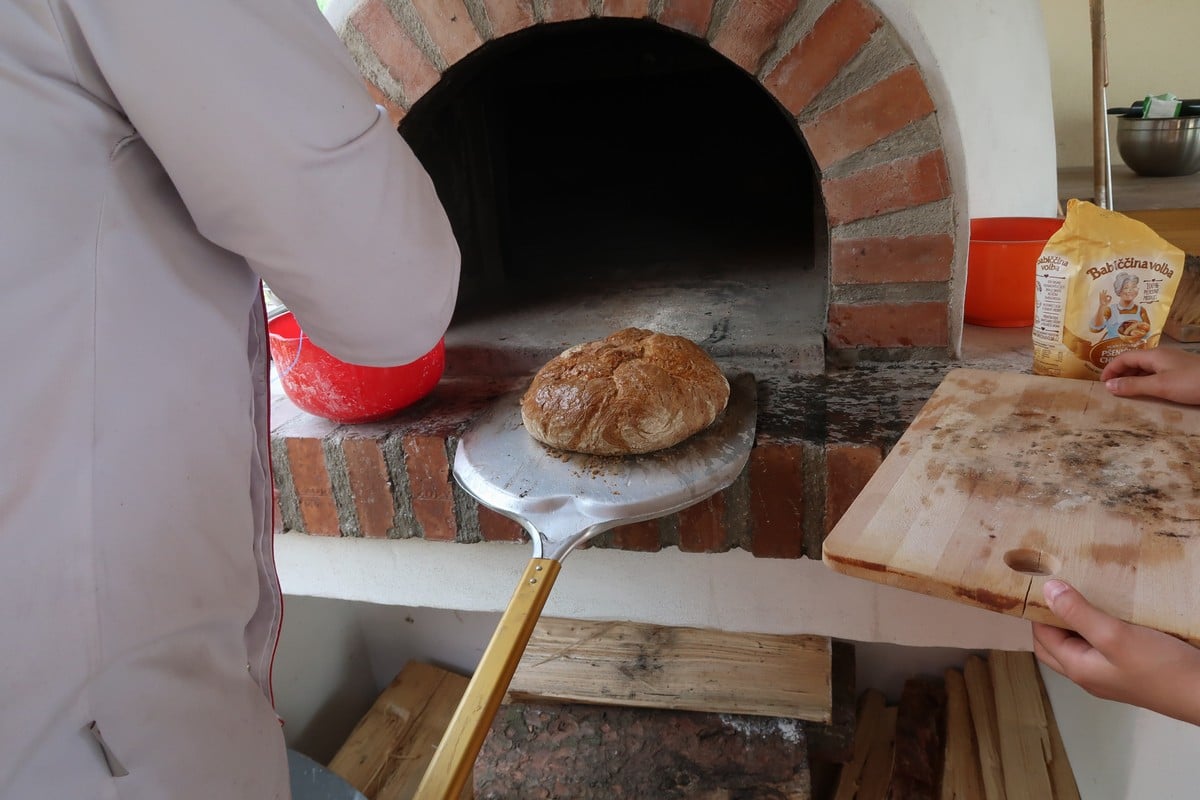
x,y
567,495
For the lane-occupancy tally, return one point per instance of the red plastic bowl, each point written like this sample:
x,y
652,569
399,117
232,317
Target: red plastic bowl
x,y
328,387
1001,263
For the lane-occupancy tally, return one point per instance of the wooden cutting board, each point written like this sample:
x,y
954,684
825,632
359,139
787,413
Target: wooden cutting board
x,y
1004,480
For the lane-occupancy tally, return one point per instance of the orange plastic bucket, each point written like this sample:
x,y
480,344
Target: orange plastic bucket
x,y
1001,263
321,384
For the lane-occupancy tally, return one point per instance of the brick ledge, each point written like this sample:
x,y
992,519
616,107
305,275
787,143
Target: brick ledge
x,y
820,438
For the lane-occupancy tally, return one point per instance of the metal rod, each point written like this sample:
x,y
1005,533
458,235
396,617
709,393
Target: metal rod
x,y
1101,155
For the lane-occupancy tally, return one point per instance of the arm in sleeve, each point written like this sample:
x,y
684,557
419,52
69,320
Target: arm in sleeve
x,y
261,120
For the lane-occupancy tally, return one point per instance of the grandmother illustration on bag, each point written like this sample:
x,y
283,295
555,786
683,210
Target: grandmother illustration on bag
x,y
1123,318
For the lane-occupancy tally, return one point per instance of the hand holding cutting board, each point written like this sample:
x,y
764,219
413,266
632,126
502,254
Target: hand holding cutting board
x,y
1007,487
1107,657
1170,374
1005,480
1118,661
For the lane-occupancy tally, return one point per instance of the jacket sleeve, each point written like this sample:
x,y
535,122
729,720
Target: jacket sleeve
x,y
261,120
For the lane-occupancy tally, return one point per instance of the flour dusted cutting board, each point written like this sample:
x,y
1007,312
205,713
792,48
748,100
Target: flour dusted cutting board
x,y
1004,480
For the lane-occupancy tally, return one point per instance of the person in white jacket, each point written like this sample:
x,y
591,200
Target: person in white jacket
x,y
157,158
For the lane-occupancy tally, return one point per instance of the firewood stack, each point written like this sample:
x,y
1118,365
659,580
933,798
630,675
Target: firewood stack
x,y
619,709
986,732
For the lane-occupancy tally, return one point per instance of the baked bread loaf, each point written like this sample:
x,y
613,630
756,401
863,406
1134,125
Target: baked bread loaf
x,y
635,391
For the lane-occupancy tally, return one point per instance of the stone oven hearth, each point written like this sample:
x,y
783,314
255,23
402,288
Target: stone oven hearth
x,y
768,179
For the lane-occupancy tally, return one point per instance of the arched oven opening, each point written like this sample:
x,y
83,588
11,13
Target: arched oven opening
x,y
612,172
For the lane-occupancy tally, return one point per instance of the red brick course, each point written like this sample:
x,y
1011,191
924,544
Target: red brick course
x,y
429,481
750,29
702,526
499,528
888,325
891,259
817,58
394,479
450,27
777,500
689,16
509,16
566,10
370,485
891,186
314,491
642,537
395,48
632,9
847,470
868,117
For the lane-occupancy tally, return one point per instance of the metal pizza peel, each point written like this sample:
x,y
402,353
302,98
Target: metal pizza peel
x,y
562,500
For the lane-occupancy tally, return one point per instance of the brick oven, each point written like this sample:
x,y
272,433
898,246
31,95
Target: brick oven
x,y
768,178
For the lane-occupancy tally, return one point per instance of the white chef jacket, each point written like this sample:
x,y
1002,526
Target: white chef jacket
x,y
156,158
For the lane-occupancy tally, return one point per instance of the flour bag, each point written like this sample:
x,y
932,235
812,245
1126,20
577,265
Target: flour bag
x,y
1105,283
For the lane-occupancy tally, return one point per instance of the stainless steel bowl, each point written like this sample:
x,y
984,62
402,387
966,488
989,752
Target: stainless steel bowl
x,y
1160,147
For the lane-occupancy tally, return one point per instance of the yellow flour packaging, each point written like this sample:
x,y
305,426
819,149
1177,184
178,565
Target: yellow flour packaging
x,y
1104,285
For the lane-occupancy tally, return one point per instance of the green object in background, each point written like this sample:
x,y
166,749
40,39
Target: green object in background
x,y
1159,106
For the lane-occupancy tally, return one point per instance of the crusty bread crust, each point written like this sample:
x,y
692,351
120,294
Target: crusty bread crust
x,y
635,391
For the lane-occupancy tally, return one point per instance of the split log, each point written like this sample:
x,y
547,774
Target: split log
x,y
877,772
1025,750
982,700
961,778
920,741
871,716
386,754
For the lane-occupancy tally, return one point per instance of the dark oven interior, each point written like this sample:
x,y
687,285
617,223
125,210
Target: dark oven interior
x,y
606,173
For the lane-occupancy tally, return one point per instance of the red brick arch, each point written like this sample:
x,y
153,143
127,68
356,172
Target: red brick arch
x,y
839,68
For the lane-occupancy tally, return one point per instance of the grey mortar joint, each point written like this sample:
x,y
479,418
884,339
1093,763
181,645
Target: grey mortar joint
x,y
404,522
935,217
371,67
479,18
720,10
737,511
814,480
795,29
406,13
285,488
466,509
339,480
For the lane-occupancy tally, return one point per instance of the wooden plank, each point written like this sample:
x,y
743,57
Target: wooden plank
x,y
982,701
1024,736
591,752
1004,479
1062,777
877,772
689,669
962,778
386,754
917,764
870,718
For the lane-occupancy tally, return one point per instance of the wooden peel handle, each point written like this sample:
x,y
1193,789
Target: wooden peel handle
x,y
454,759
